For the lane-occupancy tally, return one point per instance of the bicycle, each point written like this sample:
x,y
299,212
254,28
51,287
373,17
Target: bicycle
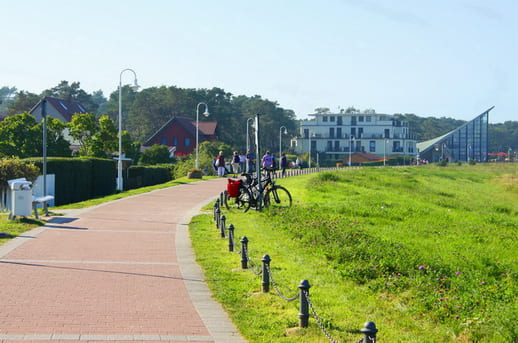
x,y
245,193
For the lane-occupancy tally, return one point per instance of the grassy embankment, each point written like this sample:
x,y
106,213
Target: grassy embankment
x,y
429,254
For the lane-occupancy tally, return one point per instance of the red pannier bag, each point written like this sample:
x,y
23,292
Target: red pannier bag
x,y
233,188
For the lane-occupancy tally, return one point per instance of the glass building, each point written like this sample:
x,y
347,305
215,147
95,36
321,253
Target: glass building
x,y
468,142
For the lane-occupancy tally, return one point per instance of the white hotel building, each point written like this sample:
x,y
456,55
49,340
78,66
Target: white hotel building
x,y
339,134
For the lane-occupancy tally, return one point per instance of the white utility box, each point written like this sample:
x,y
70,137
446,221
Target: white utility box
x,y
21,197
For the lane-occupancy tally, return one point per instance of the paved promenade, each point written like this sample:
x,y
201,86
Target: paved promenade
x,y
122,271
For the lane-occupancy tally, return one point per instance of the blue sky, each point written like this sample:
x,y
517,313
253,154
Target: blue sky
x,y
437,58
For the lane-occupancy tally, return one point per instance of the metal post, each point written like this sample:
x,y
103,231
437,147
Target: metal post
x,y
44,115
222,226
304,306
244,252
369,330
258,164
231,238
266,275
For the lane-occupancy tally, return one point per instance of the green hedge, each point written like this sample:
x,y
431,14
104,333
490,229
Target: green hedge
x,y
141,176
79,179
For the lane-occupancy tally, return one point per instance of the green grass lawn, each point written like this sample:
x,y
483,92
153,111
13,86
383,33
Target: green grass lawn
x,y
429,254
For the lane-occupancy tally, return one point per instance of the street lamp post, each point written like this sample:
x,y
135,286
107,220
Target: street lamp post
x,y
280,141
206,114
119,162
247,135
309,151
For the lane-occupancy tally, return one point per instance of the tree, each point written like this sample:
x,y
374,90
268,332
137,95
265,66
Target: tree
x,y
6,98
105,140
155,155
19,136
24,102
82,128
72,91
57,145
322,110
351,110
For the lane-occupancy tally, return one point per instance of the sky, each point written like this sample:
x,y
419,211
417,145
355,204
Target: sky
x,y
441,58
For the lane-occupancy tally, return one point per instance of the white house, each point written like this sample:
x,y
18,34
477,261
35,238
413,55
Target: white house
x,y
339,134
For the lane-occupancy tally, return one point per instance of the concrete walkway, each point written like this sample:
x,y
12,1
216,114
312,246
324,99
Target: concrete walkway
x,y
122,271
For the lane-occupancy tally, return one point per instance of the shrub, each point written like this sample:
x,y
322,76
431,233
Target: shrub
x,y
14,168
141,176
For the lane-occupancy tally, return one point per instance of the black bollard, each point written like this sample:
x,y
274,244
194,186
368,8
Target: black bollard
x,y
222,226
369,330
218,217
231,238
266,274
244,252
304,305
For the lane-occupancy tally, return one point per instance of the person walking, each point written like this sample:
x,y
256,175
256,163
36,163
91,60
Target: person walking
x,y
242,162
267,161
284,164
220,163
235,163
250,157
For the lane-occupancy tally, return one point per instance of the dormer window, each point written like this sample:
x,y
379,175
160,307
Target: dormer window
x,y
64,106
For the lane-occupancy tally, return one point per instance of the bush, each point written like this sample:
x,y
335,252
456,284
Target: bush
x,y
141,176
155,155
14,168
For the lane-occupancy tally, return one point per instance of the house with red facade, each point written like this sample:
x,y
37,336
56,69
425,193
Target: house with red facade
x,y
179,133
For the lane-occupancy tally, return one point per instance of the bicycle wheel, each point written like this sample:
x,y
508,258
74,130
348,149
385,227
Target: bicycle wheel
x,y
277,196
241,202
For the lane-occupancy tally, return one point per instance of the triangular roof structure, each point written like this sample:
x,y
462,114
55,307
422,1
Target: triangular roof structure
x,y
427,145
206,128
67,108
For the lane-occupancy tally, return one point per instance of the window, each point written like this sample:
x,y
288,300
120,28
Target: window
x,y
332,118
63,105
387,133
306,133
360,118
324,118
353,131
337,145
187,141
81,108
372,146
368,118
163,141
329,145
331,132
360,132
338,132
175,141
339,120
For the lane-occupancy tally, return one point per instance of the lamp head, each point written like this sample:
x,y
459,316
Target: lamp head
x,y
135,86
285,131
206,113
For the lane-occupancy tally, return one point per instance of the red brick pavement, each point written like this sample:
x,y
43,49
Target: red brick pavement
x,y
109,274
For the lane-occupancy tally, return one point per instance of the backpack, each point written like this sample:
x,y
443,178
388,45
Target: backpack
x,y
236,159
